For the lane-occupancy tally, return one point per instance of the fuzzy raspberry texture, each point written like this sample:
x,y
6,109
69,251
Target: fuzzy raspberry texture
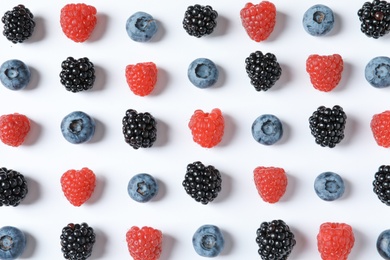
x,y
380,127
141,78
258,20
335,241
78,21
14,129
271,183
207,128
144,243
325,71
78,185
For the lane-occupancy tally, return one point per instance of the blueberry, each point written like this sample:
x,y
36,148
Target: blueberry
x,y
377,72
142,187
383,244
329,186
14,74
77,127
267,129
318,20
208,241
12,242
141,27
202,73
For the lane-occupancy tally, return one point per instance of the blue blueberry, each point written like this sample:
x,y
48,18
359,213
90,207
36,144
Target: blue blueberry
x,y
78,127
141,27
318,20
12,242
202,73
329,186
142,187
383,244
267,129
14,74
377,72
208,241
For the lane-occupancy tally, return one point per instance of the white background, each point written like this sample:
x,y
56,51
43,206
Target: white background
x,y
238,210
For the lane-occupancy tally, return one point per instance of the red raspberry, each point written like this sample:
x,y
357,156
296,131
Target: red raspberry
x,y
141,78
14,129
78,186
271,183
325,71
144,243
207,128
258,20
78,21
380,127
335,241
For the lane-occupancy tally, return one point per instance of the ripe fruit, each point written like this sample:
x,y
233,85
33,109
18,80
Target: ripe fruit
x,y
77,241
14,129
14,74
199,20
374,17
13,187
318,20
18,24
381,184
139,129
383,244
77,75
202,73
78,127
380,127
329,186
142,187
144,243
141,27
267,129
270,182
208,241
377,72
141,78
12,242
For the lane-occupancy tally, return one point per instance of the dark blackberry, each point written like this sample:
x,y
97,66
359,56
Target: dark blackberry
x,y
77,75
381,184
18,24
202,183
375,18
199,20
77,241
139,129
13,187
275,240
327,125
263,70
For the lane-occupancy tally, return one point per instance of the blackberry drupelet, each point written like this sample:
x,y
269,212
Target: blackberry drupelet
x,y
13,187
263,70
199,20
275,240
77,75
327,125
77,241
381,184
375,18
18,24
202,183
139,129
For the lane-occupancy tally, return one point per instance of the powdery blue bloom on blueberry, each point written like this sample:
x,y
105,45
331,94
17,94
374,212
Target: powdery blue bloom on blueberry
x,y
383,244
208,241
12,242
141,27
329,186
142,187
267,129
377,72
203,73
14,74
78,127
318,20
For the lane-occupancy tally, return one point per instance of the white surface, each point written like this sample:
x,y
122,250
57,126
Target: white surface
x,y
238,210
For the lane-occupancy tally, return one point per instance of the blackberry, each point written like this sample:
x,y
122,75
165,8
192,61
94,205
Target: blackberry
x,y
18,24
263,70
202,183
275,240
375,18
13,187
77,241
381,184
77,75
327,125
199,20
139,129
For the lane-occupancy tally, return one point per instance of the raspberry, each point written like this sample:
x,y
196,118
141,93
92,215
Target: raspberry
x,y
258,20
380,127
14,129
141,78
207,128
325,71
271,183
78,21
19,24
144,243
335,241
78,185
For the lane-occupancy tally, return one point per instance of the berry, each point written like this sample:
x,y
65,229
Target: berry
x,y
318,20
374,17
77,241
267,129
381,184
142,187
258,20
335,241
208,241
14,74
141,27
139,129
380,127
207,128
141,78
325,71
202,183
275,240
78,127
78,21
77,75
199,20
78,185
14,129
377,72
329,186
13,187
202,73
18,24
12,242
270,182
144,243
383,244
327,125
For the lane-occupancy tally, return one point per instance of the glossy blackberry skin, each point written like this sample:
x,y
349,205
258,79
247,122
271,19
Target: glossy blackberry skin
x,y
199,20
77,75
139,129
77,241
263,70
381,184
13,187
375,18
18,24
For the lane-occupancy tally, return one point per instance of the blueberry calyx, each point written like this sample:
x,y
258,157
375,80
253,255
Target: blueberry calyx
x,y
141,27
267,129
142,187
78,127
208,241
329,186
318,20
12,242
203,73
377,72
15,74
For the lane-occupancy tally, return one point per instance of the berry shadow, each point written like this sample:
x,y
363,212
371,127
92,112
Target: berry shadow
x,y
97,194
34,134
346,75
100,29
221,28
39,32
100,130
162,191
284,78
229,243
280,26
162,82
162,134
34,80
34,191
360,245
351,127
101,79
291,188
31,244
100,244
226,190
168,243
301,243
230,130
